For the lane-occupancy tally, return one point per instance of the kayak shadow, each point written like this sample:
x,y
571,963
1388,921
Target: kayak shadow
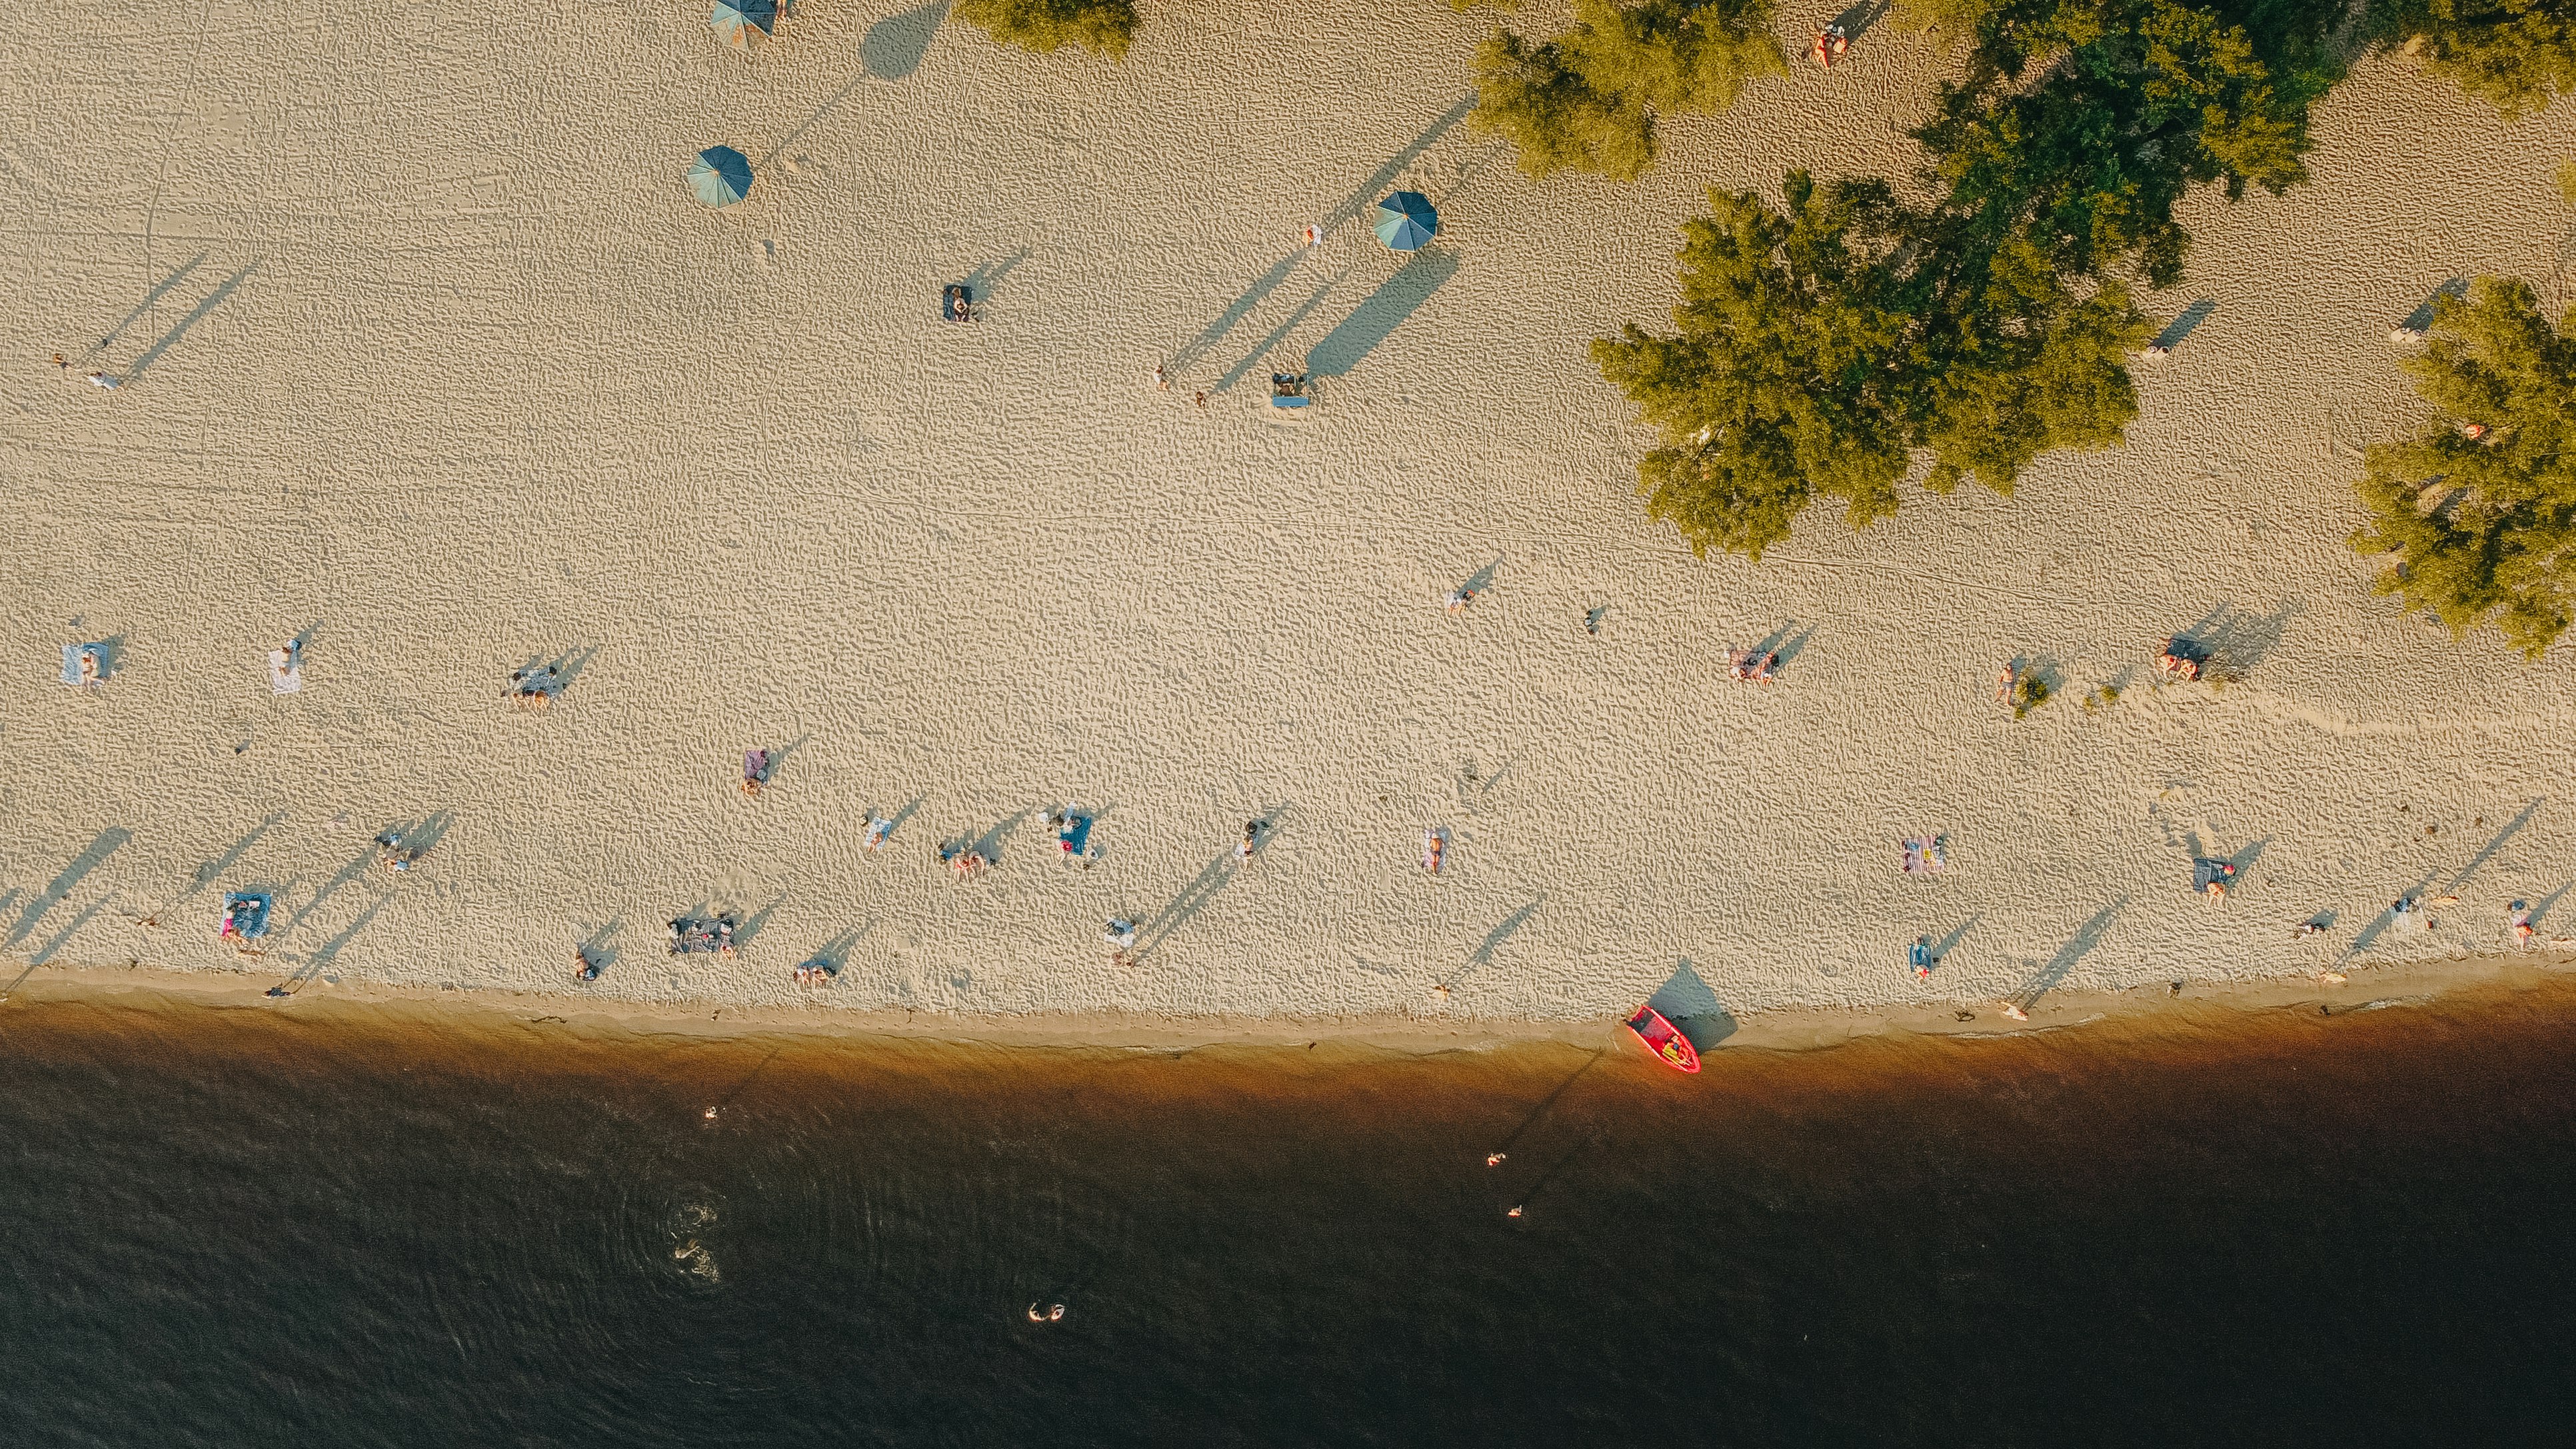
x,y
1692,1007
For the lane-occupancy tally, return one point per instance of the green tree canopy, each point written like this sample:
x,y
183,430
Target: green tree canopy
x,y
1992,323
1587,100
1787,380
2478,509
1103,27
2515,54
1815,358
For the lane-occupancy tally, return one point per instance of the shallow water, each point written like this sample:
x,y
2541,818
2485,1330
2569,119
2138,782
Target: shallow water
x,y
236,1227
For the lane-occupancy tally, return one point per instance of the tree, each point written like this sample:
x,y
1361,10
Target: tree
x,y
1587,100
1786,382
2477,511
2515,54
2136,101
1103,27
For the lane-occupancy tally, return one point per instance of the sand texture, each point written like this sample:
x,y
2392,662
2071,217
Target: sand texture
x,y
429,356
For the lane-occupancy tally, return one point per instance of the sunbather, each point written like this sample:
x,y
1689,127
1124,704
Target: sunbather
x,y
756,767
1435,849
2517,923
879,827
1920,957
1459,599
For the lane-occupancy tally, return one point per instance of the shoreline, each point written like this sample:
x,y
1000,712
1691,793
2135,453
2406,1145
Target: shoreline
x,y
611,1018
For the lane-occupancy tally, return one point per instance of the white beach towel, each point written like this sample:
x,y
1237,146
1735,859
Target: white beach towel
x,y
285,671
72,656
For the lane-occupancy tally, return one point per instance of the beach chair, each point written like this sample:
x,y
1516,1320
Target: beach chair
x,y
957,303
1288,391
85,666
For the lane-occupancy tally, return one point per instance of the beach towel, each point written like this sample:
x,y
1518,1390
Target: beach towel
x,y
1927,854
1075,837
285,671
73,654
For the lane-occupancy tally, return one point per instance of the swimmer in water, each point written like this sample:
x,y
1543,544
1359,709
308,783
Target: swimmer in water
x,y
711,1114
1515,1212
1493,1159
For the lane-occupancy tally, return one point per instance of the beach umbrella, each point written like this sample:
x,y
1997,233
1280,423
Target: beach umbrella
x,y
1406,222
740,22
720,177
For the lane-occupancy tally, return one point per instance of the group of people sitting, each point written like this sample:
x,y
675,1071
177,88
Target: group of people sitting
x,y
816,972
699,935
1752,666
1831,44
2182,659
964,860
533,687
394,852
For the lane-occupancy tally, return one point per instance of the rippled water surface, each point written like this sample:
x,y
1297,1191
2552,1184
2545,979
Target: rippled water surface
x,y
235,1227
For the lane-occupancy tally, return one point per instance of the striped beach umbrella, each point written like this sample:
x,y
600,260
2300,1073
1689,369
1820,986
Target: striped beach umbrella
x,y
740,22
1406,222
720,177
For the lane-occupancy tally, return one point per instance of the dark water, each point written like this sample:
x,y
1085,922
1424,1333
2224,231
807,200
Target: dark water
x,y
229,1227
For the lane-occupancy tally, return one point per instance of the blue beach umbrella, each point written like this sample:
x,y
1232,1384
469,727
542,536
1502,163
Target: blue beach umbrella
x,y
720,177
1406,222
740,22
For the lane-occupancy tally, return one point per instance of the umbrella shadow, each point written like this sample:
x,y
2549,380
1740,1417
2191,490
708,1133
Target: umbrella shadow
x,y
2086,937
1278,334
1483,955
2183,325
322,958
2421,319
2512,827
1386,309
2231,641
894,47
1858,19
170,338
1351,207
1367,195
2387,917
1201,890
158,291
833,954
981,282
208,872
46,952
91,855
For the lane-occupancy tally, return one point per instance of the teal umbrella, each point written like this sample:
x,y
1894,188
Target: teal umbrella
x,y
720,177
740,22
1406,222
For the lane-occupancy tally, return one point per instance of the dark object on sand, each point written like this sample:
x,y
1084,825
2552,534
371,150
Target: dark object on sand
x,y
701,935
2212,877
245,918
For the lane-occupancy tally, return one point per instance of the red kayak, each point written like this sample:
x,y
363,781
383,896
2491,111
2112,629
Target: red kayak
x,y
1664,1039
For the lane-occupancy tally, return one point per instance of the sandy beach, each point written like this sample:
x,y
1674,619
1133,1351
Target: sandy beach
x,y
429,359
